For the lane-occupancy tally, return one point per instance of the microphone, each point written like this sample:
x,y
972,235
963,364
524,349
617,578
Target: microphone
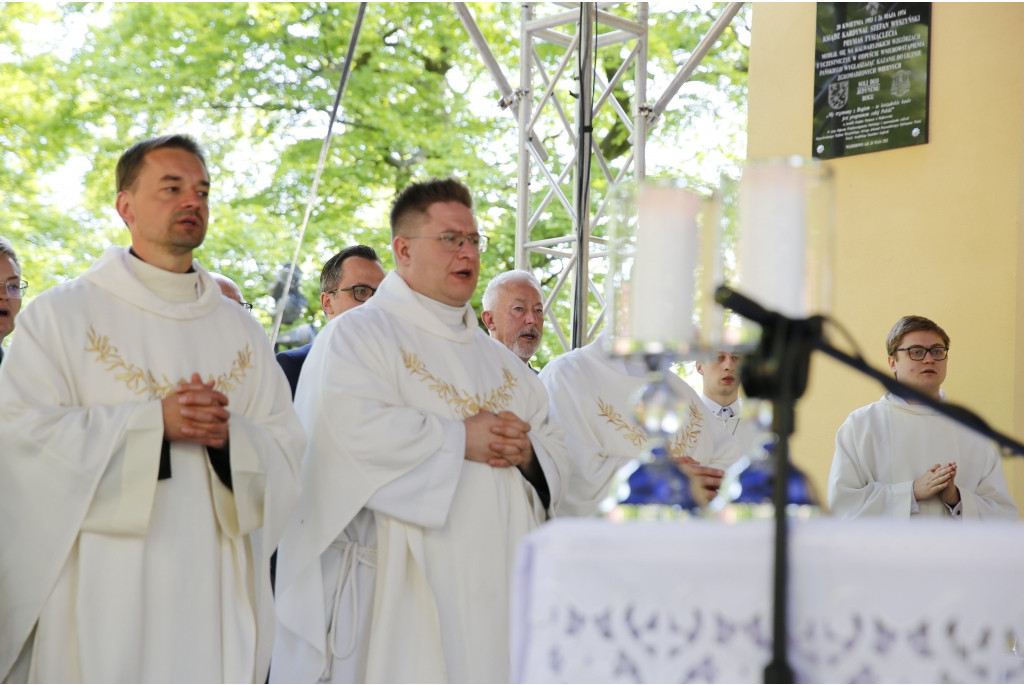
x,y
744,306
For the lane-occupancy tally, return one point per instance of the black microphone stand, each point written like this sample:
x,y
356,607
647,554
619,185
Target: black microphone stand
x,y
778,370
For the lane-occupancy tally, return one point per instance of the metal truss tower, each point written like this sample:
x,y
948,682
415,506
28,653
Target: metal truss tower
x,y
556,110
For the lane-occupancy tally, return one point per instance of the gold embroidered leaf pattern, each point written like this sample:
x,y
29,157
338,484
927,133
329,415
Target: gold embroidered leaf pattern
x,y
496,400
227,382
685,440
633,433
144,382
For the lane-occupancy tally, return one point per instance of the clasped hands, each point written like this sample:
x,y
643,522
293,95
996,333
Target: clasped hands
x,y
500,440
195,412
938,480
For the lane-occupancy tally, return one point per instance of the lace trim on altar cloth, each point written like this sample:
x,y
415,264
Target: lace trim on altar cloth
x,y
625,643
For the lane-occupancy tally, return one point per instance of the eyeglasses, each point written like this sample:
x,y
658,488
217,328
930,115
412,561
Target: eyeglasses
x,y
16,289
361,292
453,242
247,305
917,353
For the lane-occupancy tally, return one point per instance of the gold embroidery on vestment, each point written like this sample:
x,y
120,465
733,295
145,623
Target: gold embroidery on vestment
x,y
633,433
682,443
143,382
462,402
686,439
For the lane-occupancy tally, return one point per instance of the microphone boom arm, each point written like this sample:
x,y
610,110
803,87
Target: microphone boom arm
x,y
747,308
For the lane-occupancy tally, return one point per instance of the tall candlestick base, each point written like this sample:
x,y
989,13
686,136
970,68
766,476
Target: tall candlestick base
x,y
653,486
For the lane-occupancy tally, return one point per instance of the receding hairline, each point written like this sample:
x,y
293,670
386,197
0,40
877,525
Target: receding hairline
x,y
331,273
7,250
132,160
497,284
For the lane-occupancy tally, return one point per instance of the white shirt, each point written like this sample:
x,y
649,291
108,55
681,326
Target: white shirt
x,y
727,412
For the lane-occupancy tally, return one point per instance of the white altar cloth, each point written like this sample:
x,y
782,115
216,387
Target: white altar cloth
x,y
870,601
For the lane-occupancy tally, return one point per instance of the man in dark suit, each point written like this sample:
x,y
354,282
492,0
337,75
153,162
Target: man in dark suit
x,y
348,279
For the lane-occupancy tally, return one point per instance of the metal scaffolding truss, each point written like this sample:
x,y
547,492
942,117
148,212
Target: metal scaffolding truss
x,y
555,109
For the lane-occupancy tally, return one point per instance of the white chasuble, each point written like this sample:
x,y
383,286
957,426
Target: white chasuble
x,y
593,398
397,565
117,575
883,447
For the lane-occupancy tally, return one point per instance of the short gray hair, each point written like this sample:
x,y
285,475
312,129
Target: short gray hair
x,y
490,299
7,249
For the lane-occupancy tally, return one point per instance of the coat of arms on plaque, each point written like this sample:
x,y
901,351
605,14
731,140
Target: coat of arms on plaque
x,y
838,94
900,83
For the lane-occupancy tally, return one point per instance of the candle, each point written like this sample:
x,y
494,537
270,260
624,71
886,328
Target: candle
x,y
664,267
772,237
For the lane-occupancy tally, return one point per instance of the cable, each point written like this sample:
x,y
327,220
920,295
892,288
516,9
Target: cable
x,y
584,141
346,70
857,354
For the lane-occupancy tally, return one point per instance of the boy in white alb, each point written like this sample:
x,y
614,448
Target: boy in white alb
x,y
900,459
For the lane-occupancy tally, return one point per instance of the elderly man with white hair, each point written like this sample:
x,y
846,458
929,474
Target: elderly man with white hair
x,y
12,291
513,311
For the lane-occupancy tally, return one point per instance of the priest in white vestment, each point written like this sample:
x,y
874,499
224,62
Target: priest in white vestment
x,y
902,459
430,457
150,458
593,398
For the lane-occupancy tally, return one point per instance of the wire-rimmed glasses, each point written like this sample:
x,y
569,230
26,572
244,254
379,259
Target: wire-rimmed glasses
x,y
16,289
452,241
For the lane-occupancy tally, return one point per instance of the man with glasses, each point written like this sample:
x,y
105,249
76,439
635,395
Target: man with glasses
x,y
431,456
513,312
13,290
347,280
899,458
150,453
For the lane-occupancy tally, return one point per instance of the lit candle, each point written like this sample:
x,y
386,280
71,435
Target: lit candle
x,y
664,266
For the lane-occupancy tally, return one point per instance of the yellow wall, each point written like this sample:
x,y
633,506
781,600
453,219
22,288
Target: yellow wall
x,y
934,230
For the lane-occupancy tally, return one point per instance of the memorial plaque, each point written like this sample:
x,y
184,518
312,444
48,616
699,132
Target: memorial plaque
x,y
870,77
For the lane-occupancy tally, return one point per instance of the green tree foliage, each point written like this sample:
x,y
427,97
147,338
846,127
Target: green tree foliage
x,y
255,82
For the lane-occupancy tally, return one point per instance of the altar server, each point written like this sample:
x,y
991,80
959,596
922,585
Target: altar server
x,y
430,457
150,457
593,396
721,387
902,459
